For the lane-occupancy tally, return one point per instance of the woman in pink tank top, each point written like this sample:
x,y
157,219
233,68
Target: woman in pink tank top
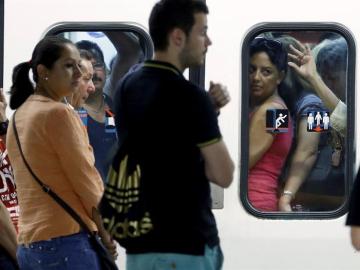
x,y
268,147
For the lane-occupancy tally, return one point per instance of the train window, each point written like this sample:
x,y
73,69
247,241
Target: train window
x,y
123,47
298,107
111,51
119,46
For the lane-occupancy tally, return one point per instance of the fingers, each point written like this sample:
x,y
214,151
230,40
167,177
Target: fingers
x,y
300,45
304,49
104,234
297,55
109,244
295,51
294,66
219,95
111,247
302,56
292,56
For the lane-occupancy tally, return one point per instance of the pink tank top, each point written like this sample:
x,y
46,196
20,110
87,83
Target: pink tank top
x,y
263,177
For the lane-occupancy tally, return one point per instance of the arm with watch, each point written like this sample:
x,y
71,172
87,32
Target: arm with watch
x,y
301,162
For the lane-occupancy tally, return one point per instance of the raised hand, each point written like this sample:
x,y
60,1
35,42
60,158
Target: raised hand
x,y
302,61
219,95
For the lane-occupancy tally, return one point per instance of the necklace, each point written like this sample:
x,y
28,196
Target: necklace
x,y
100,108
99,114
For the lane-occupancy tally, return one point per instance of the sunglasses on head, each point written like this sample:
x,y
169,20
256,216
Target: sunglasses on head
x,y
267,42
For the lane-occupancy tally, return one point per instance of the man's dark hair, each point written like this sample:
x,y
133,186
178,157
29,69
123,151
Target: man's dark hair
x,y
91,47
169,14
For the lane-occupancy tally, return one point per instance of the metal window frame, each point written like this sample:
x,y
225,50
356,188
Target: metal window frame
x,y
104,26
350,99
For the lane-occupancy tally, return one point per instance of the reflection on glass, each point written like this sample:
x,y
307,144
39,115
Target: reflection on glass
x,y
304,73
110,54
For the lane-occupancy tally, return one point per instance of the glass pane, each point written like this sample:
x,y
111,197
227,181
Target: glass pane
x,y
297,84
117,50
110,54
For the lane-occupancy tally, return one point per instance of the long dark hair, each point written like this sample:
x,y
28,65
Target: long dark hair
x,y
46,52
277,54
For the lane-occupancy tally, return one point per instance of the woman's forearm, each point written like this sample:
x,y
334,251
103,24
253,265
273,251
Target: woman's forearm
x,y
299,170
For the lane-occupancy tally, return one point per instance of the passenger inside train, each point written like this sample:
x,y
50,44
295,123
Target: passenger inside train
x,y
312,178
97,113
268,149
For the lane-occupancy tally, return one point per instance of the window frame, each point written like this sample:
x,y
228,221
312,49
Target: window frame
x,y
104,26
350,146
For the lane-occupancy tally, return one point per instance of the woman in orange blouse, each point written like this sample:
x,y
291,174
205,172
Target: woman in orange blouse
x,y
57,149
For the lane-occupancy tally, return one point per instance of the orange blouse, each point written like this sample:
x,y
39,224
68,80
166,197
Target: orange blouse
x,y
57,148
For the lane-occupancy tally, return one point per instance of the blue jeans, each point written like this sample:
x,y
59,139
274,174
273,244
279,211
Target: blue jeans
x,y
211,260
72,252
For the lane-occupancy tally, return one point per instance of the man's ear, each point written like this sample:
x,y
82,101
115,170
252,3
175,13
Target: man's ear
x,y
177,37
42,71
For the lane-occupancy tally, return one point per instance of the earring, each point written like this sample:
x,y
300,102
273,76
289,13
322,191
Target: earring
x,y
46,78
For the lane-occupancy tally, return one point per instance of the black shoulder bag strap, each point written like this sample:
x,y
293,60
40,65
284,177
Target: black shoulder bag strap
x,y
47,189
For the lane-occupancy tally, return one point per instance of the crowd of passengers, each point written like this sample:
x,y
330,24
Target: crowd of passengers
x,y
286,74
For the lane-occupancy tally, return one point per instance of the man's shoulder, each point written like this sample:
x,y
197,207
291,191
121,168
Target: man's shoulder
x,y
193,89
